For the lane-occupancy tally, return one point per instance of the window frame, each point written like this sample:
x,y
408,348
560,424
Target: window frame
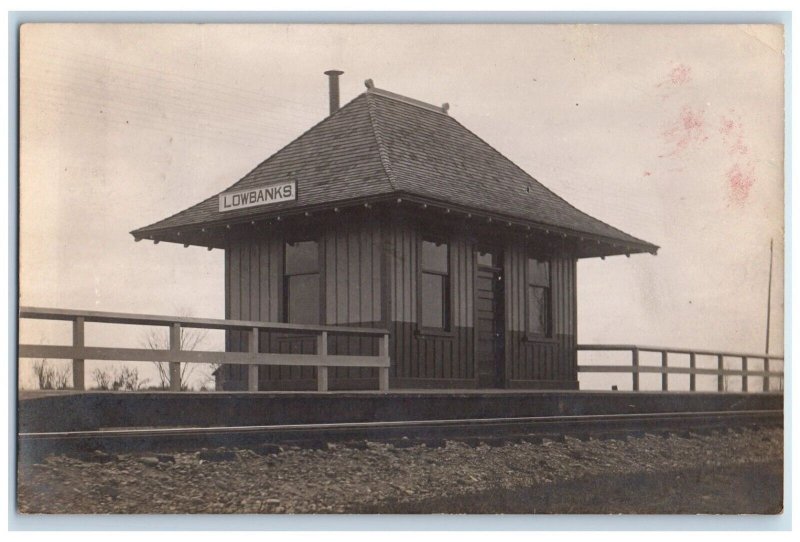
x,y
547,336
447,296
284,301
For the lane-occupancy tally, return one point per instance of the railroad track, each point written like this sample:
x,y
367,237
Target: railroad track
x,y
37,445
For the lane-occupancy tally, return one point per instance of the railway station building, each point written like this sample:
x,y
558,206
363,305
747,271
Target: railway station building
x,y
389,213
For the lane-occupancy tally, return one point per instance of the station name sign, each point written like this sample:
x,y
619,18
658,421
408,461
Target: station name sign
x,y
252,197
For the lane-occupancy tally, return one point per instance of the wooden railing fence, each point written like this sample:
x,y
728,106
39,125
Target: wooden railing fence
x,y
665,369
78,352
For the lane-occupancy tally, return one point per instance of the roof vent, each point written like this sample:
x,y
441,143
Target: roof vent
x,y
333,88
369,84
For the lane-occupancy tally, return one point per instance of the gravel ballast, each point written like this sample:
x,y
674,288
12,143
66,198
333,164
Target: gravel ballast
x,y
400,476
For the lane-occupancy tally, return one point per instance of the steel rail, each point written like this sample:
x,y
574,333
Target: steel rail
x,y
153,439
584,418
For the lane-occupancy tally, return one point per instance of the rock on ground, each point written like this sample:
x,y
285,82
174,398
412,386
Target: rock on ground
x,y
382,477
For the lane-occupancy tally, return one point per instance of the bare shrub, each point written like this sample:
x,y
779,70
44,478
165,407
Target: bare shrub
x,y
49,377
102,379
158,339
122,379
127,379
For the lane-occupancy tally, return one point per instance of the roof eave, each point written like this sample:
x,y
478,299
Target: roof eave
x,y
212,234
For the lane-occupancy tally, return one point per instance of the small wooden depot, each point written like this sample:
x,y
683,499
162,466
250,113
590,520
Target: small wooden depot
x,y
389,213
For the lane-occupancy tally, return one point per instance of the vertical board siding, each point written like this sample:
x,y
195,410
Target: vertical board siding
x,y
402,278
352,265
350,261
416,356
352,269
364,285
353,288
340,267
403,272
233,261
553,359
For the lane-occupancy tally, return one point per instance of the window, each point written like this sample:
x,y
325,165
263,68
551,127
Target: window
x,y
435,285
538,294
301,292
486,258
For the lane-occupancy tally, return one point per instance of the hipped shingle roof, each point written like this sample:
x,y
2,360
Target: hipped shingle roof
x,y
382,145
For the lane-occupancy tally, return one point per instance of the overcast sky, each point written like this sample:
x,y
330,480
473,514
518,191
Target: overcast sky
x,y
673,134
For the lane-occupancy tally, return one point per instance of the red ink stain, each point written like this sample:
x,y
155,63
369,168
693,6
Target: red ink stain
x,y
727,127
646,174
733,136
680,74
740,178
740,181
687,129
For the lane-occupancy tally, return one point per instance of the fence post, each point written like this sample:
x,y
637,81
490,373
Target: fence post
x,y
744,373
78,377
322,354
252,370
720,376
692,366
765,382
635,369
383,372
175,366
664,375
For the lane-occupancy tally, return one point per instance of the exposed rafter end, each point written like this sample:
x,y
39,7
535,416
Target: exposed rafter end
x,y
209,249
137,239
156,241
186,245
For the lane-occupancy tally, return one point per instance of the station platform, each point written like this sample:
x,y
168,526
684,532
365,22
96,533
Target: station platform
x,y
95,410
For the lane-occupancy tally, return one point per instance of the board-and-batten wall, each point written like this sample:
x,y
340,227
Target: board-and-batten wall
x,y
553,359
350,259
353,256
418,360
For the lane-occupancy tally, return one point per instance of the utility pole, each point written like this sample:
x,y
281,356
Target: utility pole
x,y
769,306
769,294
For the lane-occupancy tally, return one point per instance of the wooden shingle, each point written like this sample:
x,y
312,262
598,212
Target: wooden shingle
x,y
384,146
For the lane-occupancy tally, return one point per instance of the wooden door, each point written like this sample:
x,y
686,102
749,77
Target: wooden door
x,y
489,319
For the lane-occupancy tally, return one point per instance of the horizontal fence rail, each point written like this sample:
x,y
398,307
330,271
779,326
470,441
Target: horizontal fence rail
x,y
78,352
665,369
